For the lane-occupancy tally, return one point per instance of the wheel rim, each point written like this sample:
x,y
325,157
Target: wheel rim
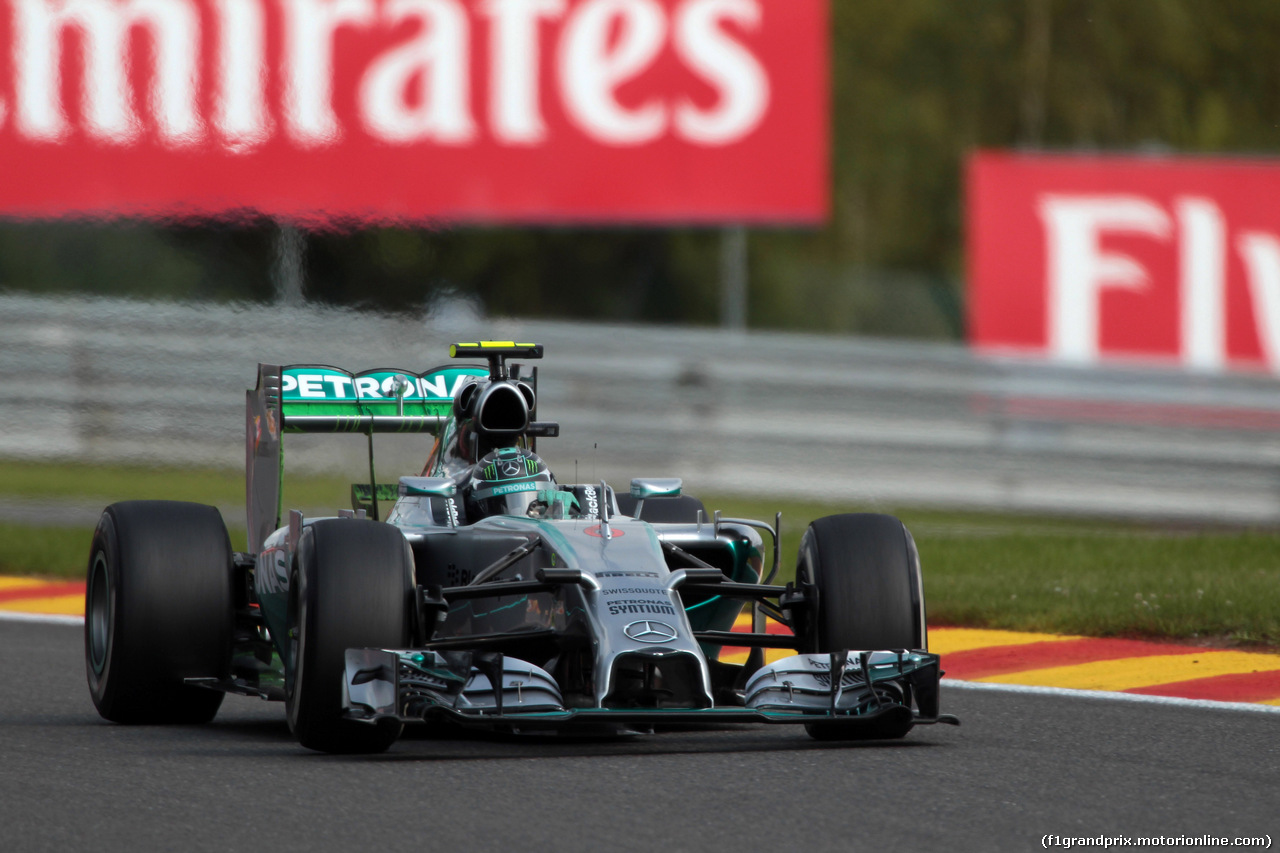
x,y
98,612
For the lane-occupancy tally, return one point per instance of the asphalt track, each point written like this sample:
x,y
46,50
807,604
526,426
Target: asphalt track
x,y
1022,766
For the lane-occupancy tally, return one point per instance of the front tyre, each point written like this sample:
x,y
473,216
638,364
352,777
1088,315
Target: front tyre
x,y
863,573
158,610
352,587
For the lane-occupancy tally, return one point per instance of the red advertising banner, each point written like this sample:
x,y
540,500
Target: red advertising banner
x,y
421,110
1085,259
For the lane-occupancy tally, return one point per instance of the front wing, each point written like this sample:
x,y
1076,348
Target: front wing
x,y
843,693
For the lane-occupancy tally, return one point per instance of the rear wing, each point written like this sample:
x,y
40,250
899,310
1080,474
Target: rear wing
x,y
312,398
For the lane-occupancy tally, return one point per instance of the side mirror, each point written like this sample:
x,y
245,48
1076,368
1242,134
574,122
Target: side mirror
x,y
436,487
654,487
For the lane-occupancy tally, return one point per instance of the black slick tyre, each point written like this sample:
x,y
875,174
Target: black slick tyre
x,y
158,610
864,573
352,587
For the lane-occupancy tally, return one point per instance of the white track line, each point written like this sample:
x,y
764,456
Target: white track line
x,y
43,618
1141,698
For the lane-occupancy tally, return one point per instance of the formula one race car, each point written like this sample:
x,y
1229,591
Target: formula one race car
x,y
493,596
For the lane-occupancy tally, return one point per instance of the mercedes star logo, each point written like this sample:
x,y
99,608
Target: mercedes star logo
x,y
649,631
512,468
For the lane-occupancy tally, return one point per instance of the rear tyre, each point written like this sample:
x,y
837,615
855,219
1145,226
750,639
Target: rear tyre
x,y
352,587
864,572
158,610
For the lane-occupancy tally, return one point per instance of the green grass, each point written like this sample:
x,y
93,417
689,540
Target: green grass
x,y
61,551
57,552
107,483
1096,578
1222,587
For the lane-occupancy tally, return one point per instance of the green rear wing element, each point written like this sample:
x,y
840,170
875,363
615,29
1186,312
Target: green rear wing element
x,y
316,398
312,398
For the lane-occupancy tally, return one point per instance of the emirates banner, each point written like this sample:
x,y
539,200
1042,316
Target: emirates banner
x,y
417,110
1089,259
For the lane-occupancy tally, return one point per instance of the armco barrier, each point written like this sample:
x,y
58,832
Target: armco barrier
x,y
852,419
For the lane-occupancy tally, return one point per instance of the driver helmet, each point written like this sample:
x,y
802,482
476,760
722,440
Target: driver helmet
x,y
508,481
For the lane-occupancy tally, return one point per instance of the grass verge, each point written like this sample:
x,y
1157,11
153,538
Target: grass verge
x,y
54,552
981,570
108,483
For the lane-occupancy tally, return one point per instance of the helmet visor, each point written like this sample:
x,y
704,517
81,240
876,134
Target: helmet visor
x,y
509,499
